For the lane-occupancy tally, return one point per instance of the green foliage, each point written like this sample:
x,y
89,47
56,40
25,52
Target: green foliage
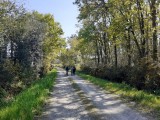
x,y
70,56
53,42
119,74
118,41
143,76
29,41
8,72
29,102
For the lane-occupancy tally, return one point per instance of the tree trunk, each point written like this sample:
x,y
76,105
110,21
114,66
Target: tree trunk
x,y
137,44
115,53
141,24
129,48
154,26
97,51
11,50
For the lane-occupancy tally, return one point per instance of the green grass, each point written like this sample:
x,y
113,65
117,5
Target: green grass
x,y
30,101
140,97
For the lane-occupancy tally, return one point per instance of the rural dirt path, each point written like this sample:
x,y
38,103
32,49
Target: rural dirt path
x,y
76,99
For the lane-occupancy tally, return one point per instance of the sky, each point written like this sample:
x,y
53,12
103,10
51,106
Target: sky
x,y
63,11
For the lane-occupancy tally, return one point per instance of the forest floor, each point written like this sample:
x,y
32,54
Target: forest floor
x,y
73,98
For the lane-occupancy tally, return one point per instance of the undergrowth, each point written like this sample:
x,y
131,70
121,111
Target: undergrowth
x,y
30,101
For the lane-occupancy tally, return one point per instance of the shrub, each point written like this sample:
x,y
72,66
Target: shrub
x,y
29,102
152,77
86,69
118,74
143,75
14,78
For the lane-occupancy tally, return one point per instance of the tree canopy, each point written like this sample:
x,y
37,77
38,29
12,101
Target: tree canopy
x,y
29,44
119,39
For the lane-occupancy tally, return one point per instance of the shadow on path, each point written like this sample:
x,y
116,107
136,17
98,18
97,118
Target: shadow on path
x,y
76,99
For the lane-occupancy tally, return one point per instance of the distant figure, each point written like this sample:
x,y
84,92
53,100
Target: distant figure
x,y
67,69
73,70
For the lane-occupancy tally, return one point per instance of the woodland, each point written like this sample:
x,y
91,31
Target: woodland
x,y
29,42
118,40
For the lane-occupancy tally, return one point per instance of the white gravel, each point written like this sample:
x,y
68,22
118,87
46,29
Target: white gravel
x,y
63,103
66,104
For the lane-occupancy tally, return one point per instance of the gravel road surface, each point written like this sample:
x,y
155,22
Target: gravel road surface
x,y
76,99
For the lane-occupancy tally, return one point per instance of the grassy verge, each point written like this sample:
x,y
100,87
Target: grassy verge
x,y
142,98
29,102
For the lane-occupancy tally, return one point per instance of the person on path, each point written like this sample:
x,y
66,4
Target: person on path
x,y
74,70
71,70
67,69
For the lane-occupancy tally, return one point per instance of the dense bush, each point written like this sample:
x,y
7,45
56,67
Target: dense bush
x,y
8,73
29,43
110,73
85,69
14,77
29,102
143,75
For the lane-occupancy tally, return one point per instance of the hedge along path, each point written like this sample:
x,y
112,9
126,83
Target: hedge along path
x,y
75,98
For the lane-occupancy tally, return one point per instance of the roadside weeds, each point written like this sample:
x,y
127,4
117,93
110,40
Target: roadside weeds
x,y
30,101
